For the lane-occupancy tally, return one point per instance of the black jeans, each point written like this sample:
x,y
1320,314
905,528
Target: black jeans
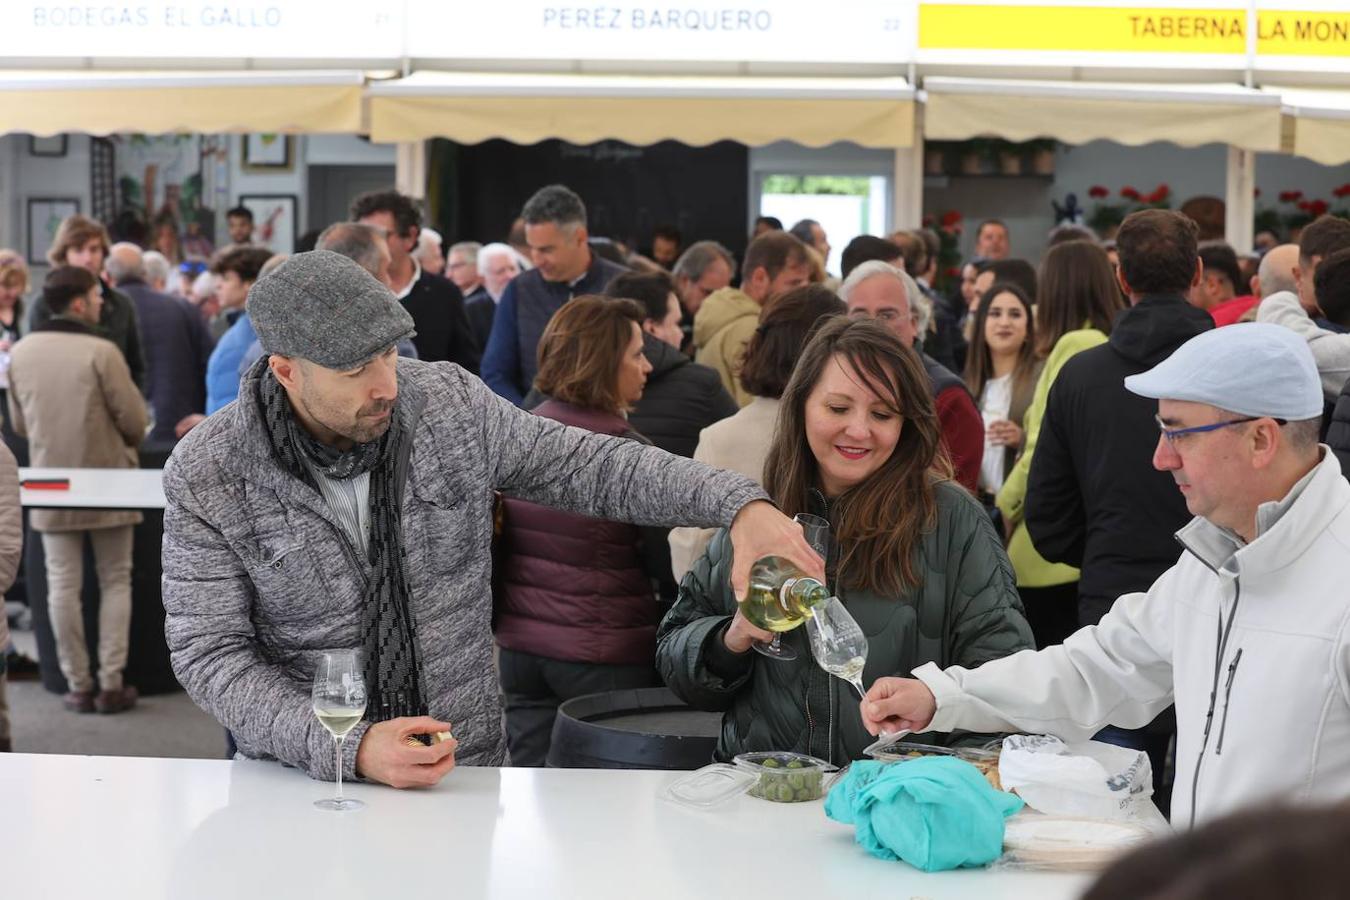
x,y
533,686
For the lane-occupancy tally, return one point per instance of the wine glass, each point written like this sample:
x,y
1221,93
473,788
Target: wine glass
x,y
817,533
339,702
838,643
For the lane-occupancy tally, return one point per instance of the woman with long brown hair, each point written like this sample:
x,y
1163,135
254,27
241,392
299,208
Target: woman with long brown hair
x,y
913,556
1001,372
576,605
1077,300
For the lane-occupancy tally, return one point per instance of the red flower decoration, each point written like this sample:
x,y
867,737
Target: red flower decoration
x,y
1098,191
927,222
953,272
950,218
1290,196
1129,193
1318,208
1342,191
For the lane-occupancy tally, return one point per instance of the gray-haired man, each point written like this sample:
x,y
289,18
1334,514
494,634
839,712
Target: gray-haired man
x,y
346,501
705,268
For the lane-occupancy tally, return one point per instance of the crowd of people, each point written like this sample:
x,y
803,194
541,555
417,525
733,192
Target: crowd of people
x,y
517,472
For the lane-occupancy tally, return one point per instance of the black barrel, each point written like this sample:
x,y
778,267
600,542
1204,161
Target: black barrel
x,y
647,728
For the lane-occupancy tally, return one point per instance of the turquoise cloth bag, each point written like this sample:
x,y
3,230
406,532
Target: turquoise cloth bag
x,y
935,813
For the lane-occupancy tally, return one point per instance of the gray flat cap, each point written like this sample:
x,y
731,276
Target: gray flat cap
x,y
323,307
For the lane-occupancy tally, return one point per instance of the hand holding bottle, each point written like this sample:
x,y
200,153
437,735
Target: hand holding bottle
x,y
760,530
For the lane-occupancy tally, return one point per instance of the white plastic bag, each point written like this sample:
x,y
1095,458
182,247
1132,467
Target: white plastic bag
x,y
1089,779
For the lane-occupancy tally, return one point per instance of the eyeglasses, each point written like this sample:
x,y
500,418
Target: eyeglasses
x,y
1175,433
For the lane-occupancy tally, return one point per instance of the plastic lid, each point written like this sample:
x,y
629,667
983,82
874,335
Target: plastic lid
x,y
891,747
710,786
779,759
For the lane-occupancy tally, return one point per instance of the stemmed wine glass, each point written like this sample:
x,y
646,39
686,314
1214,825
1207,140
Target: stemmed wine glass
x,y
838,643
339,702
817,533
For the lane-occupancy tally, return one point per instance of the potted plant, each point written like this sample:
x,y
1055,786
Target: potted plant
x,y
948,227
1007,157
1040,156
975,156
1105,217
934,159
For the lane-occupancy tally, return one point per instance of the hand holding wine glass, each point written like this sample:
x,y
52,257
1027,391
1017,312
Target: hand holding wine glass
x,y
781,596
339,696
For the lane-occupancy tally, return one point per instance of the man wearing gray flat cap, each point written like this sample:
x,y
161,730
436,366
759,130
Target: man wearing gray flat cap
x,y
345,500
1249,633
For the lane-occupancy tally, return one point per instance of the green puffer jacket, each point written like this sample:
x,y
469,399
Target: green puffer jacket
x,y
965,613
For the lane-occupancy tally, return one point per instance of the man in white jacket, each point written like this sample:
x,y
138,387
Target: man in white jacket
x,y
1249,633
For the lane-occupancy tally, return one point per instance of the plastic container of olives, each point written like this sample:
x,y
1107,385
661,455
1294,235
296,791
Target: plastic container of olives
x,y
785,777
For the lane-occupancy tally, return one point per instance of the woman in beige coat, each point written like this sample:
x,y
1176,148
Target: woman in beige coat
x,y
72,396
741,442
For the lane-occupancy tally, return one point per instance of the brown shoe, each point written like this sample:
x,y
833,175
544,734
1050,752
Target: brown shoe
x,y
109,702
79,701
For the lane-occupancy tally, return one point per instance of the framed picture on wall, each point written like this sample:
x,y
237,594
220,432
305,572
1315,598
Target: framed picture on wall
x,y
55,145
268,152
274,222
45,215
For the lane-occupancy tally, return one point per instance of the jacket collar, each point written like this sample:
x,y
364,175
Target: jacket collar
x,y
66,325
1285,527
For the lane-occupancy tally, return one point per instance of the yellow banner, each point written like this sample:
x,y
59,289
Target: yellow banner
x,y
1082,29
1291,33
945,26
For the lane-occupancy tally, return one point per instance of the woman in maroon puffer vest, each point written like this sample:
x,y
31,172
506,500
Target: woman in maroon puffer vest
x,y
576,607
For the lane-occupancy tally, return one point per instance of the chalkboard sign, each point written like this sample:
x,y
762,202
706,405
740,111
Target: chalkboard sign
x,y
628,190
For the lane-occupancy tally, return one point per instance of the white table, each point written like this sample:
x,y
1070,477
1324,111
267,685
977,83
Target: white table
x,y
96,489
112,827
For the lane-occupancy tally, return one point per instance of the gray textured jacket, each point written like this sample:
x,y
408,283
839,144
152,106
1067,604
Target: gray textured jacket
x,y
258,577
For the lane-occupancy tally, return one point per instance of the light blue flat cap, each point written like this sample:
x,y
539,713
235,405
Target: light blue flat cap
x,y
1252,368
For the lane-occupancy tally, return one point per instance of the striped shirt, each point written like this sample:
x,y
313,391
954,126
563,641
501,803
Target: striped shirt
x,y
349,499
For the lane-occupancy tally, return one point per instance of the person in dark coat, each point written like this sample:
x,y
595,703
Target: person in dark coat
x,y
1094,499
682,397
436,305
1338,432
497,266
576,607
176,342
565,267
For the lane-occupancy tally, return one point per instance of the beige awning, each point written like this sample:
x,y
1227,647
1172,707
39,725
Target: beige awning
x,y
1078,112
527,108
1317,123
102,102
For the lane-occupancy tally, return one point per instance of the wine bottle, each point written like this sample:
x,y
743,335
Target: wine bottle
x,y
781,596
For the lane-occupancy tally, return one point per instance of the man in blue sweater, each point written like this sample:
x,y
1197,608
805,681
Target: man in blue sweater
x,y
564,267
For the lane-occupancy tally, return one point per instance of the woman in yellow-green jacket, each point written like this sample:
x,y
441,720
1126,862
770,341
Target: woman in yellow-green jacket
x,y
1077,300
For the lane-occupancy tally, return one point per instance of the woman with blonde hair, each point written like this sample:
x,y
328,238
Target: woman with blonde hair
x,y
913,556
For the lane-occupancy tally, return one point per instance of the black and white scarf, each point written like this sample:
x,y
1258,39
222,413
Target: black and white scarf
x,y
388,637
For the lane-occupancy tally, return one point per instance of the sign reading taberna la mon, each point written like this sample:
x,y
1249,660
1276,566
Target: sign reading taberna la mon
x,y
1104,34
192,29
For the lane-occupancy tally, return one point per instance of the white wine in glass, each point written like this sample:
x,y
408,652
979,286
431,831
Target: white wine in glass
x,y
838,644
339,703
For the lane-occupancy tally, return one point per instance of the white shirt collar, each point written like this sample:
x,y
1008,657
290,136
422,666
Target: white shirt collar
x,y
407,288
